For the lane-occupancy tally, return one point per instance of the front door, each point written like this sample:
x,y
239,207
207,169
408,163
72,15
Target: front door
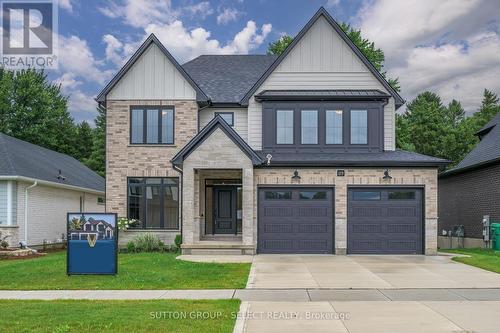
x,y
225,209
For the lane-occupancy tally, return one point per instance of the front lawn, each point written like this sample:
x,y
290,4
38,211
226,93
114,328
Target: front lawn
x,y
118,316
135,271
482,258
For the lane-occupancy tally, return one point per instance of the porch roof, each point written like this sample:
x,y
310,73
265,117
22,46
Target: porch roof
x,y
199,138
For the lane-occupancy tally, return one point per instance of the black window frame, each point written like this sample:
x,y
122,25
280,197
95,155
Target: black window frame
x,y
222,113
391,193
144,109
162,185
285,197
367,127
366,191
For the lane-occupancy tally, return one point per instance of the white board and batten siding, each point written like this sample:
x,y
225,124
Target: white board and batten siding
x,y
240,119
152,77
321,60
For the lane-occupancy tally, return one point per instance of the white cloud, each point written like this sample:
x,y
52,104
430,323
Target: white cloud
x,y
449,47
114,49
81,105
67,5
201,9
227,15
332,3
140,13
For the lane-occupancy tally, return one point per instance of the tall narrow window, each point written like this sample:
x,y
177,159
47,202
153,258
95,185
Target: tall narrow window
x,y
309,127
167,126
152,125
284,126
359,127
333,127
137,135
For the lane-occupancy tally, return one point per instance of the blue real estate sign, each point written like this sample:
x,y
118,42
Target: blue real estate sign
x,y
92,243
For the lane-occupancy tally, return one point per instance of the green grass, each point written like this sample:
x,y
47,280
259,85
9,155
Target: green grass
x,y
482,258
117,316
135,271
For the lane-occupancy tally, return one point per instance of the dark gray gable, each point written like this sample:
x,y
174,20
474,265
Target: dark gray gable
x,y
323,12
215,123
200,95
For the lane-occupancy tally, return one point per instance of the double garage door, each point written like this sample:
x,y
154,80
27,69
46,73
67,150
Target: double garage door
x,y
301,220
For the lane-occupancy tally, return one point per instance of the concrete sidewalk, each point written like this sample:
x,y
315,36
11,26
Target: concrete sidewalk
x,y
267,295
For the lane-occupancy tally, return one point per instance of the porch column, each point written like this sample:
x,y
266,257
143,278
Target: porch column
x,y
188,224
247,223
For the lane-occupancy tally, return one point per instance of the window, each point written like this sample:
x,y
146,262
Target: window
x,y
312,195
227,116
154,202
366,195
101,200
402,195
333,127
284,127
359,127
152,125
309,126
278,195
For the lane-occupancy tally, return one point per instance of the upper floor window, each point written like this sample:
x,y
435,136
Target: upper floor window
x,y
227,116
333,127
359,127
309,126
284,127
152,125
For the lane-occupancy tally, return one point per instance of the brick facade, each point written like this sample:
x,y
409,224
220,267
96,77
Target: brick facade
x,y
464,199
124,160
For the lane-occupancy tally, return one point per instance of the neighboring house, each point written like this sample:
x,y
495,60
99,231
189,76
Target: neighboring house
x,y
472,188
100,228
38,187
266,154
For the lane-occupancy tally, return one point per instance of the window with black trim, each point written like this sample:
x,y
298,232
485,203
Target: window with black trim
x,y
402,195
151,125
333,127
227,116
365,195
154,202
359,127
312,195
278,195
284,127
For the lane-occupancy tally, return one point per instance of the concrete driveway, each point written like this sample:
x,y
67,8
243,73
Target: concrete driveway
x,y
372,272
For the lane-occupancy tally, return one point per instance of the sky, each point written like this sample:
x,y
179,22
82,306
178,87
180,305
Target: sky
x,y
451,47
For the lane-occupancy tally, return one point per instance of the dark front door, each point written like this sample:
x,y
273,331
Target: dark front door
x,y
225,210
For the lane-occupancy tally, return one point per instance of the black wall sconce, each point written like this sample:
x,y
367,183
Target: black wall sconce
x,y
386,175
296,175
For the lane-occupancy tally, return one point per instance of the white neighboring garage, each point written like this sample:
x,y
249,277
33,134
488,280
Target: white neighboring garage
x,y
38,187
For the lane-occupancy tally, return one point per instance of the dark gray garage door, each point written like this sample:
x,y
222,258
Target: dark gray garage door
x,y
384,221
295,220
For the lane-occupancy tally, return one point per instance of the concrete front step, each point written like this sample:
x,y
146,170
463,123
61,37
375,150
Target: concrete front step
x,y
217,248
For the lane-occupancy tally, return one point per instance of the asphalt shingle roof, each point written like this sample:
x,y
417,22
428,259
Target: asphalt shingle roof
x,y
21,158
227,78
488,149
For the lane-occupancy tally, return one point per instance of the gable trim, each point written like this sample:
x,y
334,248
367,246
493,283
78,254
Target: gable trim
x,y
323,12
152,39
199,138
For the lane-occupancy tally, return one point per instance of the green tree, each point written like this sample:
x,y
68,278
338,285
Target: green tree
x,y
97,159
84,141
488,109
373,54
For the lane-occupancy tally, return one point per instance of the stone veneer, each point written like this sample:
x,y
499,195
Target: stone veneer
x,y
124,160
426,177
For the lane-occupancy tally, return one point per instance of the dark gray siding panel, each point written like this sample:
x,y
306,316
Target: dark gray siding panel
x,y
385,226
464,199
295,225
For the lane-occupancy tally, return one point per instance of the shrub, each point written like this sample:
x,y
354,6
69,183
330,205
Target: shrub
x,y
4,244
124,223
131,247
148,243
178,241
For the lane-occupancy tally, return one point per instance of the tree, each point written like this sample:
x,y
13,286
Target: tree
x,y
488,109
277,47
97,159
84,141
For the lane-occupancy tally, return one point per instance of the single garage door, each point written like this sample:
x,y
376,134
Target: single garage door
x,y
384,221
295,220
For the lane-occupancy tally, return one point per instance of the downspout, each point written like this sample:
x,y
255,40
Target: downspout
x,y
26,211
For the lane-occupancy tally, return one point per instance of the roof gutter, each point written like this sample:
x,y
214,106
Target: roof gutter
x,y
53,184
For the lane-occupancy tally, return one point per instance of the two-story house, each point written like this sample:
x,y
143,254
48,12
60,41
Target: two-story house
x,y
267,154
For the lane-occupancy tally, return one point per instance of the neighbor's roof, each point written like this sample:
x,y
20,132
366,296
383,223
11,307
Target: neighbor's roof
x,y
397,158
227,78
487,151
23,159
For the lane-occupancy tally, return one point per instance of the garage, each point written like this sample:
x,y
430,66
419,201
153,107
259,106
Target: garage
x,y
295,220
385,221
